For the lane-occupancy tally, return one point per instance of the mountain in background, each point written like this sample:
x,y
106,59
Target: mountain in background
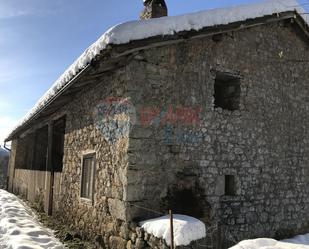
x,y
4,160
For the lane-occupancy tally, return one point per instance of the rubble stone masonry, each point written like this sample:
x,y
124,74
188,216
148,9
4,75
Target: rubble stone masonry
x,y
161,143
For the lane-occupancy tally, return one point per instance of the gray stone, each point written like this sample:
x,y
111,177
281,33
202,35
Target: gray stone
x,y
140,243
117,208
117,242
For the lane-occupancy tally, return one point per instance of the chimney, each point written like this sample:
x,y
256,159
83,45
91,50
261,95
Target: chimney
x,y
153,9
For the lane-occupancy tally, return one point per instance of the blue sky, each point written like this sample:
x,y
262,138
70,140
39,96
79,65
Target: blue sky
x,y
39,39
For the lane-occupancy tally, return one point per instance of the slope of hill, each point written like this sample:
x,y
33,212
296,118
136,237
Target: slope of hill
x,y
3,152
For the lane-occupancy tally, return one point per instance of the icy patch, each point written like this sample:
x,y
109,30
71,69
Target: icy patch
x,y
19,228
299,239
137,30
186,229
298,242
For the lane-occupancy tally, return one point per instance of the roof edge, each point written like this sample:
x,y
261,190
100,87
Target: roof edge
x,y
123,34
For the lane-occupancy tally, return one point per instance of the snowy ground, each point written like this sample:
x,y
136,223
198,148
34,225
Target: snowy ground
x,y
19,227
298,242
188,229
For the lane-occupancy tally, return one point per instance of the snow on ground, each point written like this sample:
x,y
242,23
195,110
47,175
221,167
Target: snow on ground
x,y
186,229
136,30
298,242
299,239
19,227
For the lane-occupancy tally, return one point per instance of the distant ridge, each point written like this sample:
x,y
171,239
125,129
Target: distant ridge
x,y
4,152
4,161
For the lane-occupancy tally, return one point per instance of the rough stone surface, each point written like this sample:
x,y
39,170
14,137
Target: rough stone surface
x,y
174,149
87,131
264,144
154,9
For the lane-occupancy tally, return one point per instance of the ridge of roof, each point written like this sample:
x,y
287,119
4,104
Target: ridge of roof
x,y
142,29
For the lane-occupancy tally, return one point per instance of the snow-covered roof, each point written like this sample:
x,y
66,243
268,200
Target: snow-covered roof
x,y
138,30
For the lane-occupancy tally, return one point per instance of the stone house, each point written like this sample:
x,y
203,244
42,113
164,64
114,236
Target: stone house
x,y
205,114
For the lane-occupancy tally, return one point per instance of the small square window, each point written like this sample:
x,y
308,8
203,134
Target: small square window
x,y
227,91
230,185
88,176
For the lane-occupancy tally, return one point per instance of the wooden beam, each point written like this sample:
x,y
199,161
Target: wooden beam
x,y
171,228
49,169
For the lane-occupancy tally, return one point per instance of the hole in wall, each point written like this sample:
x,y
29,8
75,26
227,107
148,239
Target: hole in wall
x,y
227,91
186,197
230,185
184,201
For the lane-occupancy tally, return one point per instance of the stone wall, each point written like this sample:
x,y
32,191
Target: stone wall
x,y
89,128
161,144
139,239
183,149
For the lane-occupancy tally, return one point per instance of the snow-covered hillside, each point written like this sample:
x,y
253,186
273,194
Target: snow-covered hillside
x,y
20,229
